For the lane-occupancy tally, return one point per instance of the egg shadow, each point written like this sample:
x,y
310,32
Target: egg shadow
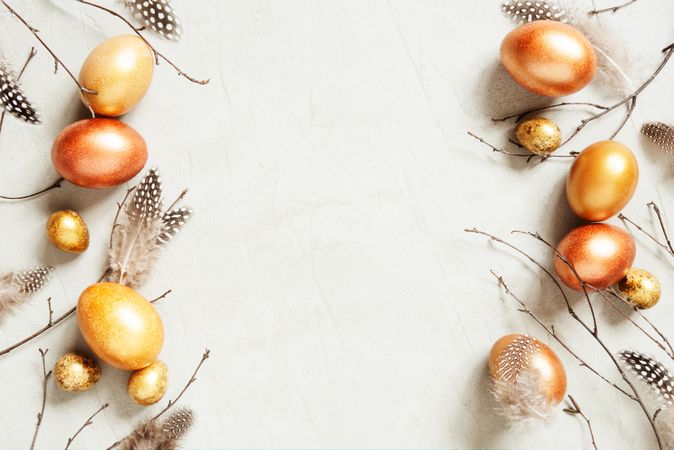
x,y
498,93
488,425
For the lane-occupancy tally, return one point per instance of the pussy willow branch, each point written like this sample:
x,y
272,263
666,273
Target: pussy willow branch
x,y
31,55
45,379
528,156
60,319
575,410
524,309
592,331
611,8
88,422
55,185
171,403
157,55
57,60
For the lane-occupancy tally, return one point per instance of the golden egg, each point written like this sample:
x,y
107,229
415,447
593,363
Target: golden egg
x,y
120,71
148,385
539,135
513,354
68,231
640,287
99,153
602,180
549,58
74,372
601,254
121,327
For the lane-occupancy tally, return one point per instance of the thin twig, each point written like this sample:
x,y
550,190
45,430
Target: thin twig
x,y
55,185
88,422
51,324
161,297
522,114
57,60
661,221
528,156
51,311
119,210
156,53
31,55
611,9
668,51
192,379
523,308
180,197
593,332
40,415
575,410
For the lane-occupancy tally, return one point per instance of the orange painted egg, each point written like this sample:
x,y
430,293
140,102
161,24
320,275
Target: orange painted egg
x,y
514,354
601,255
602,180
120,72
549,58
121,327
99,153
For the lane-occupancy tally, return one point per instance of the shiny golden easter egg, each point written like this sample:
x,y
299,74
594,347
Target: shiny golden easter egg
x,y
549,58
640,287
148,385
514,354
601,255
539,135
120,72
602,180
121,327
74,372
98,153
68,232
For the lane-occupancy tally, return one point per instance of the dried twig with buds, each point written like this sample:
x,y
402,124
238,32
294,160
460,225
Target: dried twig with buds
x,y
45,379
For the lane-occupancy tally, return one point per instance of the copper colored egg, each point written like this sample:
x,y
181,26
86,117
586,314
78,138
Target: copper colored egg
x,y
99,153
601,255
549,58
68,232
602,180
515,353
121,327
120,72
148,385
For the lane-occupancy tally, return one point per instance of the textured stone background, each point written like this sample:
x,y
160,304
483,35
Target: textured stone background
x,y
326,267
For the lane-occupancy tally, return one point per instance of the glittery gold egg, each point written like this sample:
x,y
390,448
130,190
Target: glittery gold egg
x,y
641,288
120,71
148,385
68,231
74,372
539,135
120,325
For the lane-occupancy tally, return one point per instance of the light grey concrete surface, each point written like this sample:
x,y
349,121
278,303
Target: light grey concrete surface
x,y
326,267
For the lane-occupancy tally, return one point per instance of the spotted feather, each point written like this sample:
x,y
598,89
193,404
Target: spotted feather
x,y
524,12
652,373
660,133
12,98
173,222
157,15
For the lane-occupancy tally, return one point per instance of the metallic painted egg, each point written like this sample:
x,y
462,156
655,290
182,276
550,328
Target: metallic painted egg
x,y
73,372
641,288
148,385
120,71
68,232
121,327
549,58
601,254
99,153
515,353
602,180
